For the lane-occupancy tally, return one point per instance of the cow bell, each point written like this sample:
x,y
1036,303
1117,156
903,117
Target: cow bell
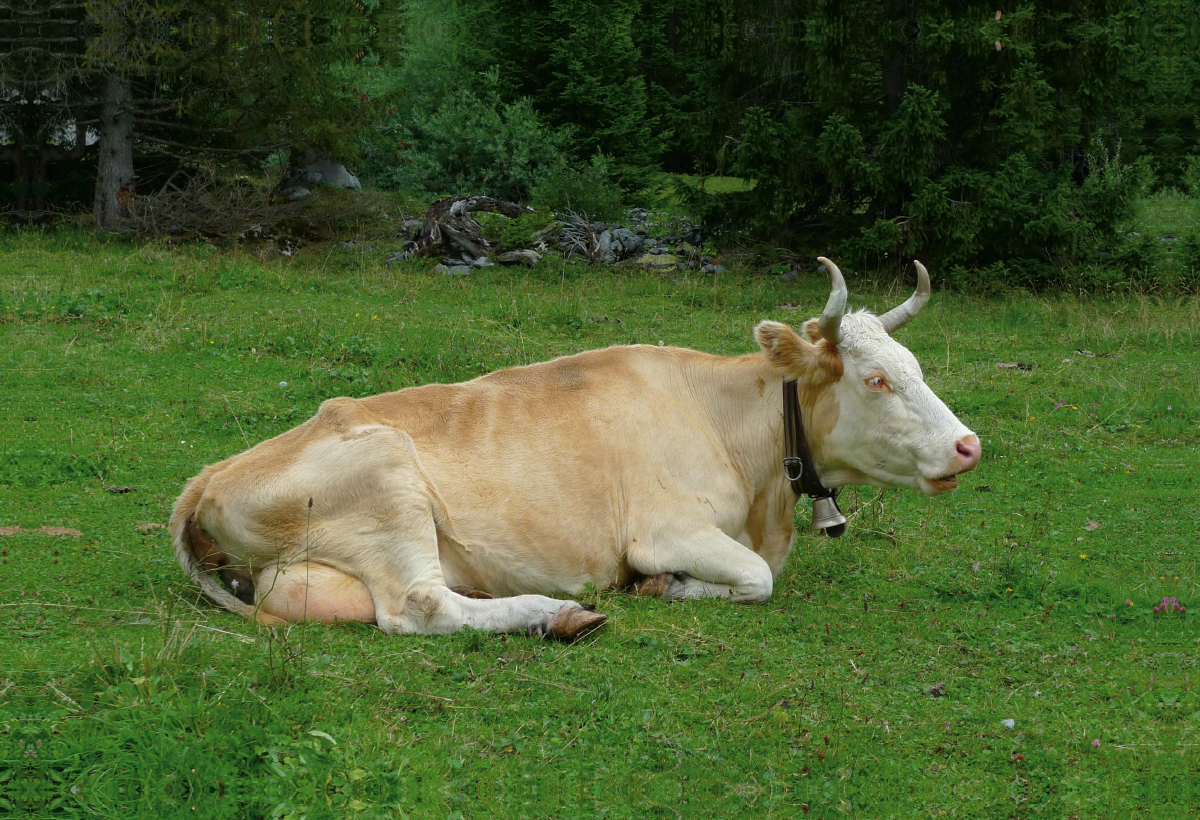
x,y
826,516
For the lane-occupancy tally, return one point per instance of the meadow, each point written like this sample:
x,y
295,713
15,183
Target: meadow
x,y
993,652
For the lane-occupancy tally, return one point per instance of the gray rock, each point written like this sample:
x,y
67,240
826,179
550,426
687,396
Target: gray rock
x,y
790,276
298,192
822,269
708,269
412,225
459,270
604,247
398,256
599,227
631,242
720,269
482,262
650,242
327,172
440,268
522,257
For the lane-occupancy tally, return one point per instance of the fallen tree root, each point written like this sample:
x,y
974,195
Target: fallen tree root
x,y
449,228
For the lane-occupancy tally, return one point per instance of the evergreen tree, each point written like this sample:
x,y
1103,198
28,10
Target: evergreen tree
x,y
1170,31
43,93
906,124
222,80
578,63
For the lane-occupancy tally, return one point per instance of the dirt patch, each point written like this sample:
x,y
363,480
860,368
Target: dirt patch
x,y
58,532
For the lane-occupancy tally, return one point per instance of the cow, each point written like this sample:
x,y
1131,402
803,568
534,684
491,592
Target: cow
x,y
648,468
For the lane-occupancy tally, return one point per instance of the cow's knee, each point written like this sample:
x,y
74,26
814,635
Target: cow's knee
x,y
757,588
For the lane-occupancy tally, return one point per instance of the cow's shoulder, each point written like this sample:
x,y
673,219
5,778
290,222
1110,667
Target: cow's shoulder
x,y
340,416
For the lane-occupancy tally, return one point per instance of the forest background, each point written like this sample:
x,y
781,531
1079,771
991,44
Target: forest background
x,y
1005,142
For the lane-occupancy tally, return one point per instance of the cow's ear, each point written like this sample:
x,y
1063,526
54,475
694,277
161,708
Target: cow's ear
x,y
795,356
784,348
812,331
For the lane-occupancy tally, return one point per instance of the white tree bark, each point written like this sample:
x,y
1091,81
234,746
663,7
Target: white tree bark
x,y
114,175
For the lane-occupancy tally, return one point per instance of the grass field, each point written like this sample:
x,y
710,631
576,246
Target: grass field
x,y
875,683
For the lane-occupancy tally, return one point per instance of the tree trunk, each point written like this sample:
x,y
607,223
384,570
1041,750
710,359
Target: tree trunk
x,y
114,175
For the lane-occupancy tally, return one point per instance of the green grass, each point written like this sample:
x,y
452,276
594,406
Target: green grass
x,y
872,685
667,190
1167,212
716,184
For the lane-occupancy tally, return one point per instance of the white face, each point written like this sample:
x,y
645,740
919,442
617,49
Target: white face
x,y
891,431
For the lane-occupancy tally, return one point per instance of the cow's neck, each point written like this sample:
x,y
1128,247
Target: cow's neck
x,y
746,400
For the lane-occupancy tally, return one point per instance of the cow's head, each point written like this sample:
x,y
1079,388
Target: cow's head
x,y
868,414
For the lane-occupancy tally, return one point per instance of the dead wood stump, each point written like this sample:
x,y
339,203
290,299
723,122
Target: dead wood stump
x,y
448,228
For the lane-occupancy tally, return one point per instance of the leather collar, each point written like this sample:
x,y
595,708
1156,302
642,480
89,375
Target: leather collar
x,y
798,466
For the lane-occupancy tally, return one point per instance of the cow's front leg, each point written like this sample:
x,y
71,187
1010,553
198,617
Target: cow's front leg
x,y
706,564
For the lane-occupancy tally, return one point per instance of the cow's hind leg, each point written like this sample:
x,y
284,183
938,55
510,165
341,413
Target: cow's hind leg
x,y
379,527
308,591
704,564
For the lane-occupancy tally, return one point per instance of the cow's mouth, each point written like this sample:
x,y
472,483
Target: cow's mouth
x,y
947,482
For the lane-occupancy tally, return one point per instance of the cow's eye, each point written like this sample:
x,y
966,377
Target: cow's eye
x,y
877,382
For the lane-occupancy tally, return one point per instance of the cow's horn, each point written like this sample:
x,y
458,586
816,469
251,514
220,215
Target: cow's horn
x,y
831,317
895,318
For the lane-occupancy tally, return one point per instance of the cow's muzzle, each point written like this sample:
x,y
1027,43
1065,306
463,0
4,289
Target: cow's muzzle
x,y
967,452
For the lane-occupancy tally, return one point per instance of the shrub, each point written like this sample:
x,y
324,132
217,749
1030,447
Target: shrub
x,y
1187,264
1191,175
474,143
513,233
587,191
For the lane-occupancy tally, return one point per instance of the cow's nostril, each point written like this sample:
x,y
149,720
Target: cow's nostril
x,y
969,450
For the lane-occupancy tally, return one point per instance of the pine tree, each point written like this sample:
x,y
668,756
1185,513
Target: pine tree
x,y
43,52
1169,33
218,80
887,127
578,63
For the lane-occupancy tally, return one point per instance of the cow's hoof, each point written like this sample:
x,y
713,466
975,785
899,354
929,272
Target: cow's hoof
x,y
572,624
655,586
471,592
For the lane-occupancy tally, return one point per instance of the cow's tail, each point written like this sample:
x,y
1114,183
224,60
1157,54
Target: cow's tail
x,y
185,535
